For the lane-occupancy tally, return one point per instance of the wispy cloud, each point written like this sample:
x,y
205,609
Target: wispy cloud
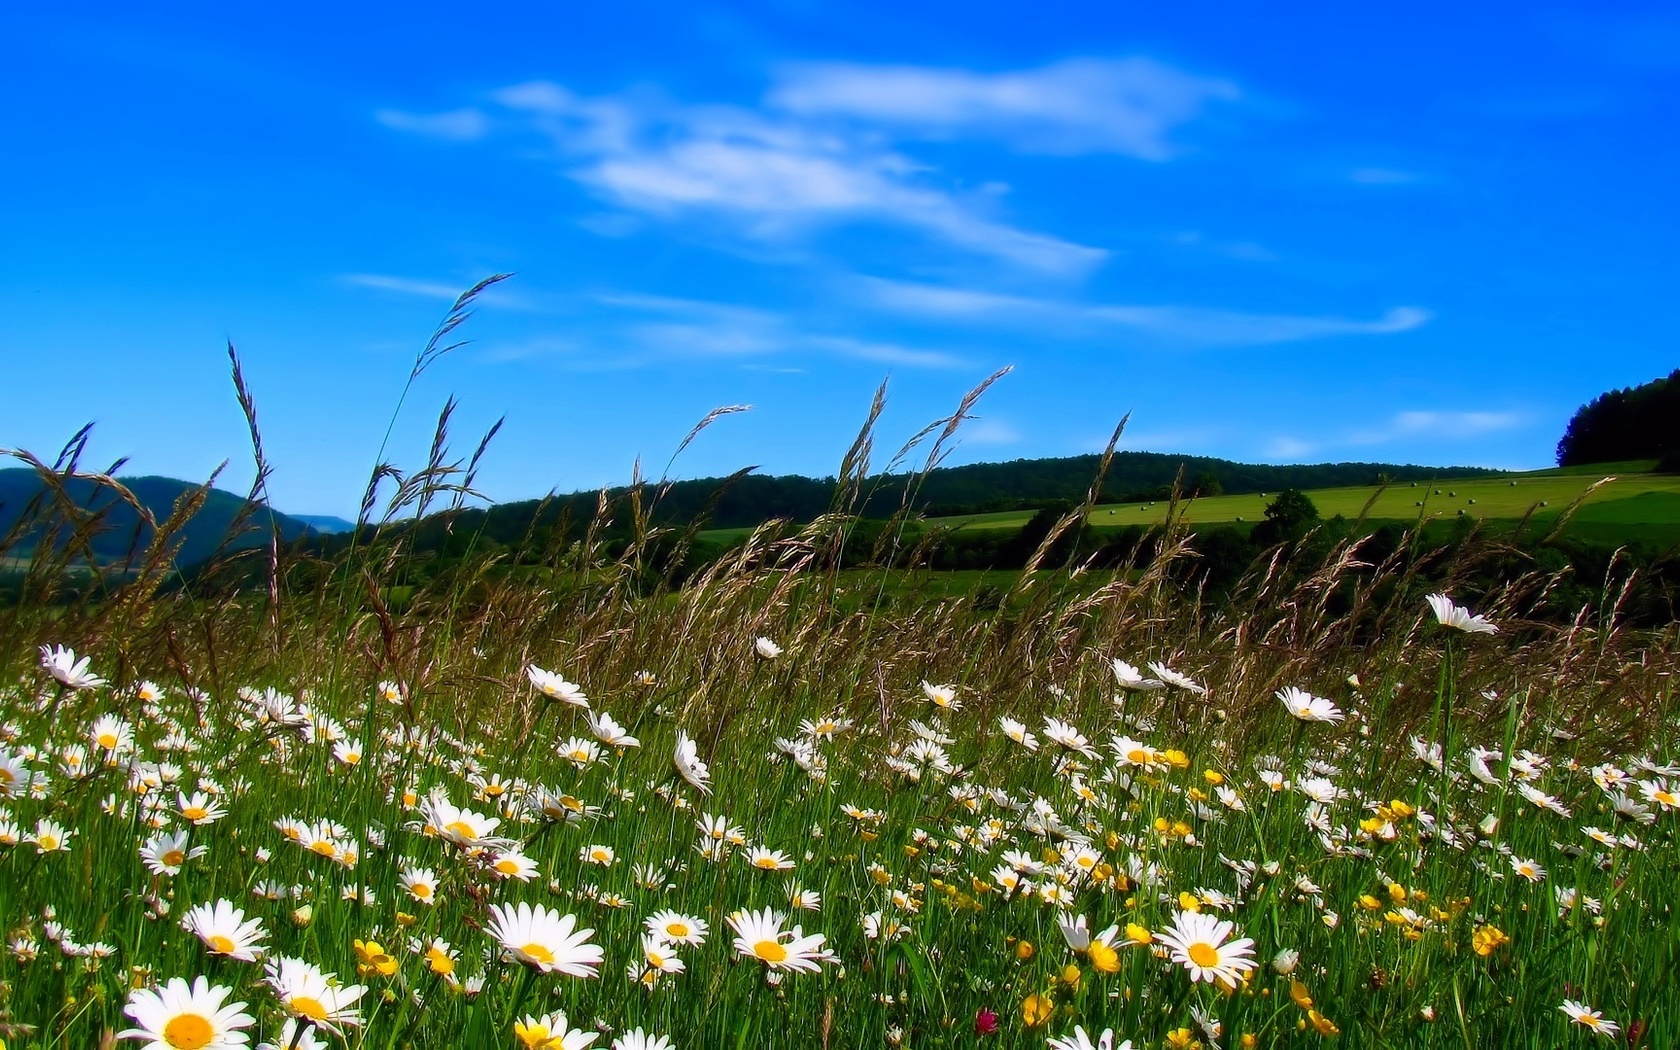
x,y
661,327
1187,325
1246,251
1383,176
825,146
405,285
1288,448
768,174
1414,426
443,291
457,125
1235,328
984,430
1128,106
1438,423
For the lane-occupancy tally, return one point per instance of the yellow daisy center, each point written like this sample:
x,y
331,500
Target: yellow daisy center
x,y
48,842
304,1006
188,1032
421,890
323,847
538,952
461,829
7,776
766,862
507,867
107,740
1138,756
174,858
195,813
771,951
1203,955
220,944
677,929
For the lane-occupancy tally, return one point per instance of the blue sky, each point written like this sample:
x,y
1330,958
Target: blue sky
x,y
1291,232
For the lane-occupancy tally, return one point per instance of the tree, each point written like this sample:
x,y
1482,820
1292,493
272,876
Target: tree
x,y
1641,422
1288,517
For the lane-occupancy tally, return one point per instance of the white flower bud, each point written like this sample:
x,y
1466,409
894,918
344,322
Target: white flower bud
x,y
1285,961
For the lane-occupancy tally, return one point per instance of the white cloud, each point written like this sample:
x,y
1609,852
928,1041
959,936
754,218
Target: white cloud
x,y
819,150
777,186
1444,424
1234,328
1189,325
1288,448
884,353
768,174
1412,426
457,125
1127,106
405,285
1382,176
770,177
498,296
987,431
1246,251
687,327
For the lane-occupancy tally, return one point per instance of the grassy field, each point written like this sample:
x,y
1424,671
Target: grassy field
x,y
1639,499
934,813
788,806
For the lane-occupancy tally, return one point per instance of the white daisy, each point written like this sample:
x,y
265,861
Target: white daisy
x,y
1198,943
179,1016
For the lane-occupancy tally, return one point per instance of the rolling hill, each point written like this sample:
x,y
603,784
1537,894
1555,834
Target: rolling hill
x,y
1636,504
123,526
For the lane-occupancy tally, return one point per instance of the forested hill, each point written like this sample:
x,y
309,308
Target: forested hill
x,y
121,527
977,487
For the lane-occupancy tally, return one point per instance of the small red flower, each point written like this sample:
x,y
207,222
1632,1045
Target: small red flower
x,y
985,1021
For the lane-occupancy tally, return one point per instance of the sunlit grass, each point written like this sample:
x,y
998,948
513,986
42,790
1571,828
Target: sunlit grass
x,y
945,856
905,812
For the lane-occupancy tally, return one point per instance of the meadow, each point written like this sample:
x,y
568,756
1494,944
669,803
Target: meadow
x,y
1634,499
783,805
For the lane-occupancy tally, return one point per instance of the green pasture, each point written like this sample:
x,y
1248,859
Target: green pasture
x,y
1633,500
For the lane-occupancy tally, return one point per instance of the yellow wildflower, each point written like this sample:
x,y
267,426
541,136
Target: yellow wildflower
x,y
1037,1009
1487,939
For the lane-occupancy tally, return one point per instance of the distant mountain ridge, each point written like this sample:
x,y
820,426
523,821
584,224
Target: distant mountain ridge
x,y
746,501
124,530
326,524
752,499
